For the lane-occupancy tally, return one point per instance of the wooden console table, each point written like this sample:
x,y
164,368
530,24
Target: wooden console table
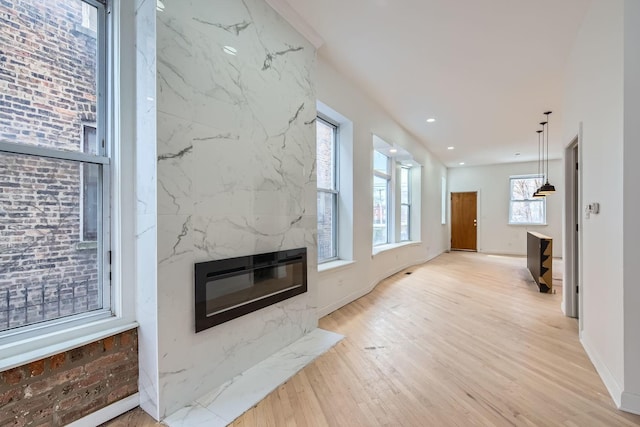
x,y
540,260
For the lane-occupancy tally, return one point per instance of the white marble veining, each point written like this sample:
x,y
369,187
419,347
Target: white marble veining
x,y
221,406
235,176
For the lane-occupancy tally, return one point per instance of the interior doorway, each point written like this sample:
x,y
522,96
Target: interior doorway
x,y
573,227
464,221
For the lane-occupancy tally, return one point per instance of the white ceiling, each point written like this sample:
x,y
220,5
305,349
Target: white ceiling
x,y
485,69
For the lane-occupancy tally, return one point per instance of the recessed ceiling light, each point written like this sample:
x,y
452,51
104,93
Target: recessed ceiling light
x,y
431,120
461,163
450,148
393,150
159,6
230,50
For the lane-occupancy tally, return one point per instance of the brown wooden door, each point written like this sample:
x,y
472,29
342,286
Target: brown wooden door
x,y
464,208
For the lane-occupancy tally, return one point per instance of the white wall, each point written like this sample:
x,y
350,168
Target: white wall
x,y
631,394
594,97
495,235
340,286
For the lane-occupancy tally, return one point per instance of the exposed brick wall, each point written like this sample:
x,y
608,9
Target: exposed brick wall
x,y
47,92
68,386
47,70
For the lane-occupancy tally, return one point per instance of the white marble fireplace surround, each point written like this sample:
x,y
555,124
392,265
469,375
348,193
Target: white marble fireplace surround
x,y
235,176
223,405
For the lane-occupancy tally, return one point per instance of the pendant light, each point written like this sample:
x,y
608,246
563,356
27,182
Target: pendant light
x,y
537,192
547,188
542,171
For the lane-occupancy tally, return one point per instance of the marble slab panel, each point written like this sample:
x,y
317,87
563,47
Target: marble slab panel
x,y
235,177
223,405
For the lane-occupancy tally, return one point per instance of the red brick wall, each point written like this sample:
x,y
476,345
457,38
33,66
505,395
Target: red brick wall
x,y
68,386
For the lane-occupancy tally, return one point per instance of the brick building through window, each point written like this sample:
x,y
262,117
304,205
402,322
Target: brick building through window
x,y
52,160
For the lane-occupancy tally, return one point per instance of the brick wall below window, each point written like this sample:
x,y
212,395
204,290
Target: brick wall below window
x,y
68,386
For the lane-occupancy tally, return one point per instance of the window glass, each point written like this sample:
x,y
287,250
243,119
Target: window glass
x,y
326,226
523,207
380,162
404,185
52,164
405,204
52,86
44,275
404,223
326,142
380,210
326,160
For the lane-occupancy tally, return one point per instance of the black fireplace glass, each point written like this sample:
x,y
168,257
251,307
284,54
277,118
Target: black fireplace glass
x,y
229,288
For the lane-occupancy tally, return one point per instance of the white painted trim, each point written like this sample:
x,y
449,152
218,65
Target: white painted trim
x,y
323,311
290,15
630,402
581,238
332,266
108,413
45,346
569,304
614,389
391,246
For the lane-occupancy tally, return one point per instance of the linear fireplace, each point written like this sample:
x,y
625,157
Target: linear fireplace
x,y
230,288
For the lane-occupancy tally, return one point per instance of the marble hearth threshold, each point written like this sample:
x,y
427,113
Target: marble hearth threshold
x,y
223,405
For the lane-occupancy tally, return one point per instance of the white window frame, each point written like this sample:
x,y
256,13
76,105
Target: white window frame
x,y
335,191
542,200
115,32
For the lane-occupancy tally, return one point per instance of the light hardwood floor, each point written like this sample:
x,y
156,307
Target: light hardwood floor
x,y
465,340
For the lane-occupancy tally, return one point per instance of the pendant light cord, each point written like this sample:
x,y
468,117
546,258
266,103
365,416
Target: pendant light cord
x,y
540,158
544,175
547,114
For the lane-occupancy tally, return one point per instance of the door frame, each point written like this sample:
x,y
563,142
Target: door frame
x,y
572,291
478,222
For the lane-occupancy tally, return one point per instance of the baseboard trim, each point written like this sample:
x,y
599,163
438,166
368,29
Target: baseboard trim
x,y
108,412
614,389
323,311
630,402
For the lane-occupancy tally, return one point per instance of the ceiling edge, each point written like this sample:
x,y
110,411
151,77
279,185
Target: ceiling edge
x,y
296,21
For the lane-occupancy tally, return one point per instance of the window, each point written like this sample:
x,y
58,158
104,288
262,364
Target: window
x,y
405,204
54,168
381,197
334,165
326,139
523,207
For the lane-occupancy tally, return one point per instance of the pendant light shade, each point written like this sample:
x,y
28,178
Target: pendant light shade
x,y
546,188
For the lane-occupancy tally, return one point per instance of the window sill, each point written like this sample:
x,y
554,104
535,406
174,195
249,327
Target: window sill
x,y
527,225
29,350
334,265
390,246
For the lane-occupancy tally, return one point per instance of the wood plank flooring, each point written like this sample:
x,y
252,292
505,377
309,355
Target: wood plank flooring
x,y
465,340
